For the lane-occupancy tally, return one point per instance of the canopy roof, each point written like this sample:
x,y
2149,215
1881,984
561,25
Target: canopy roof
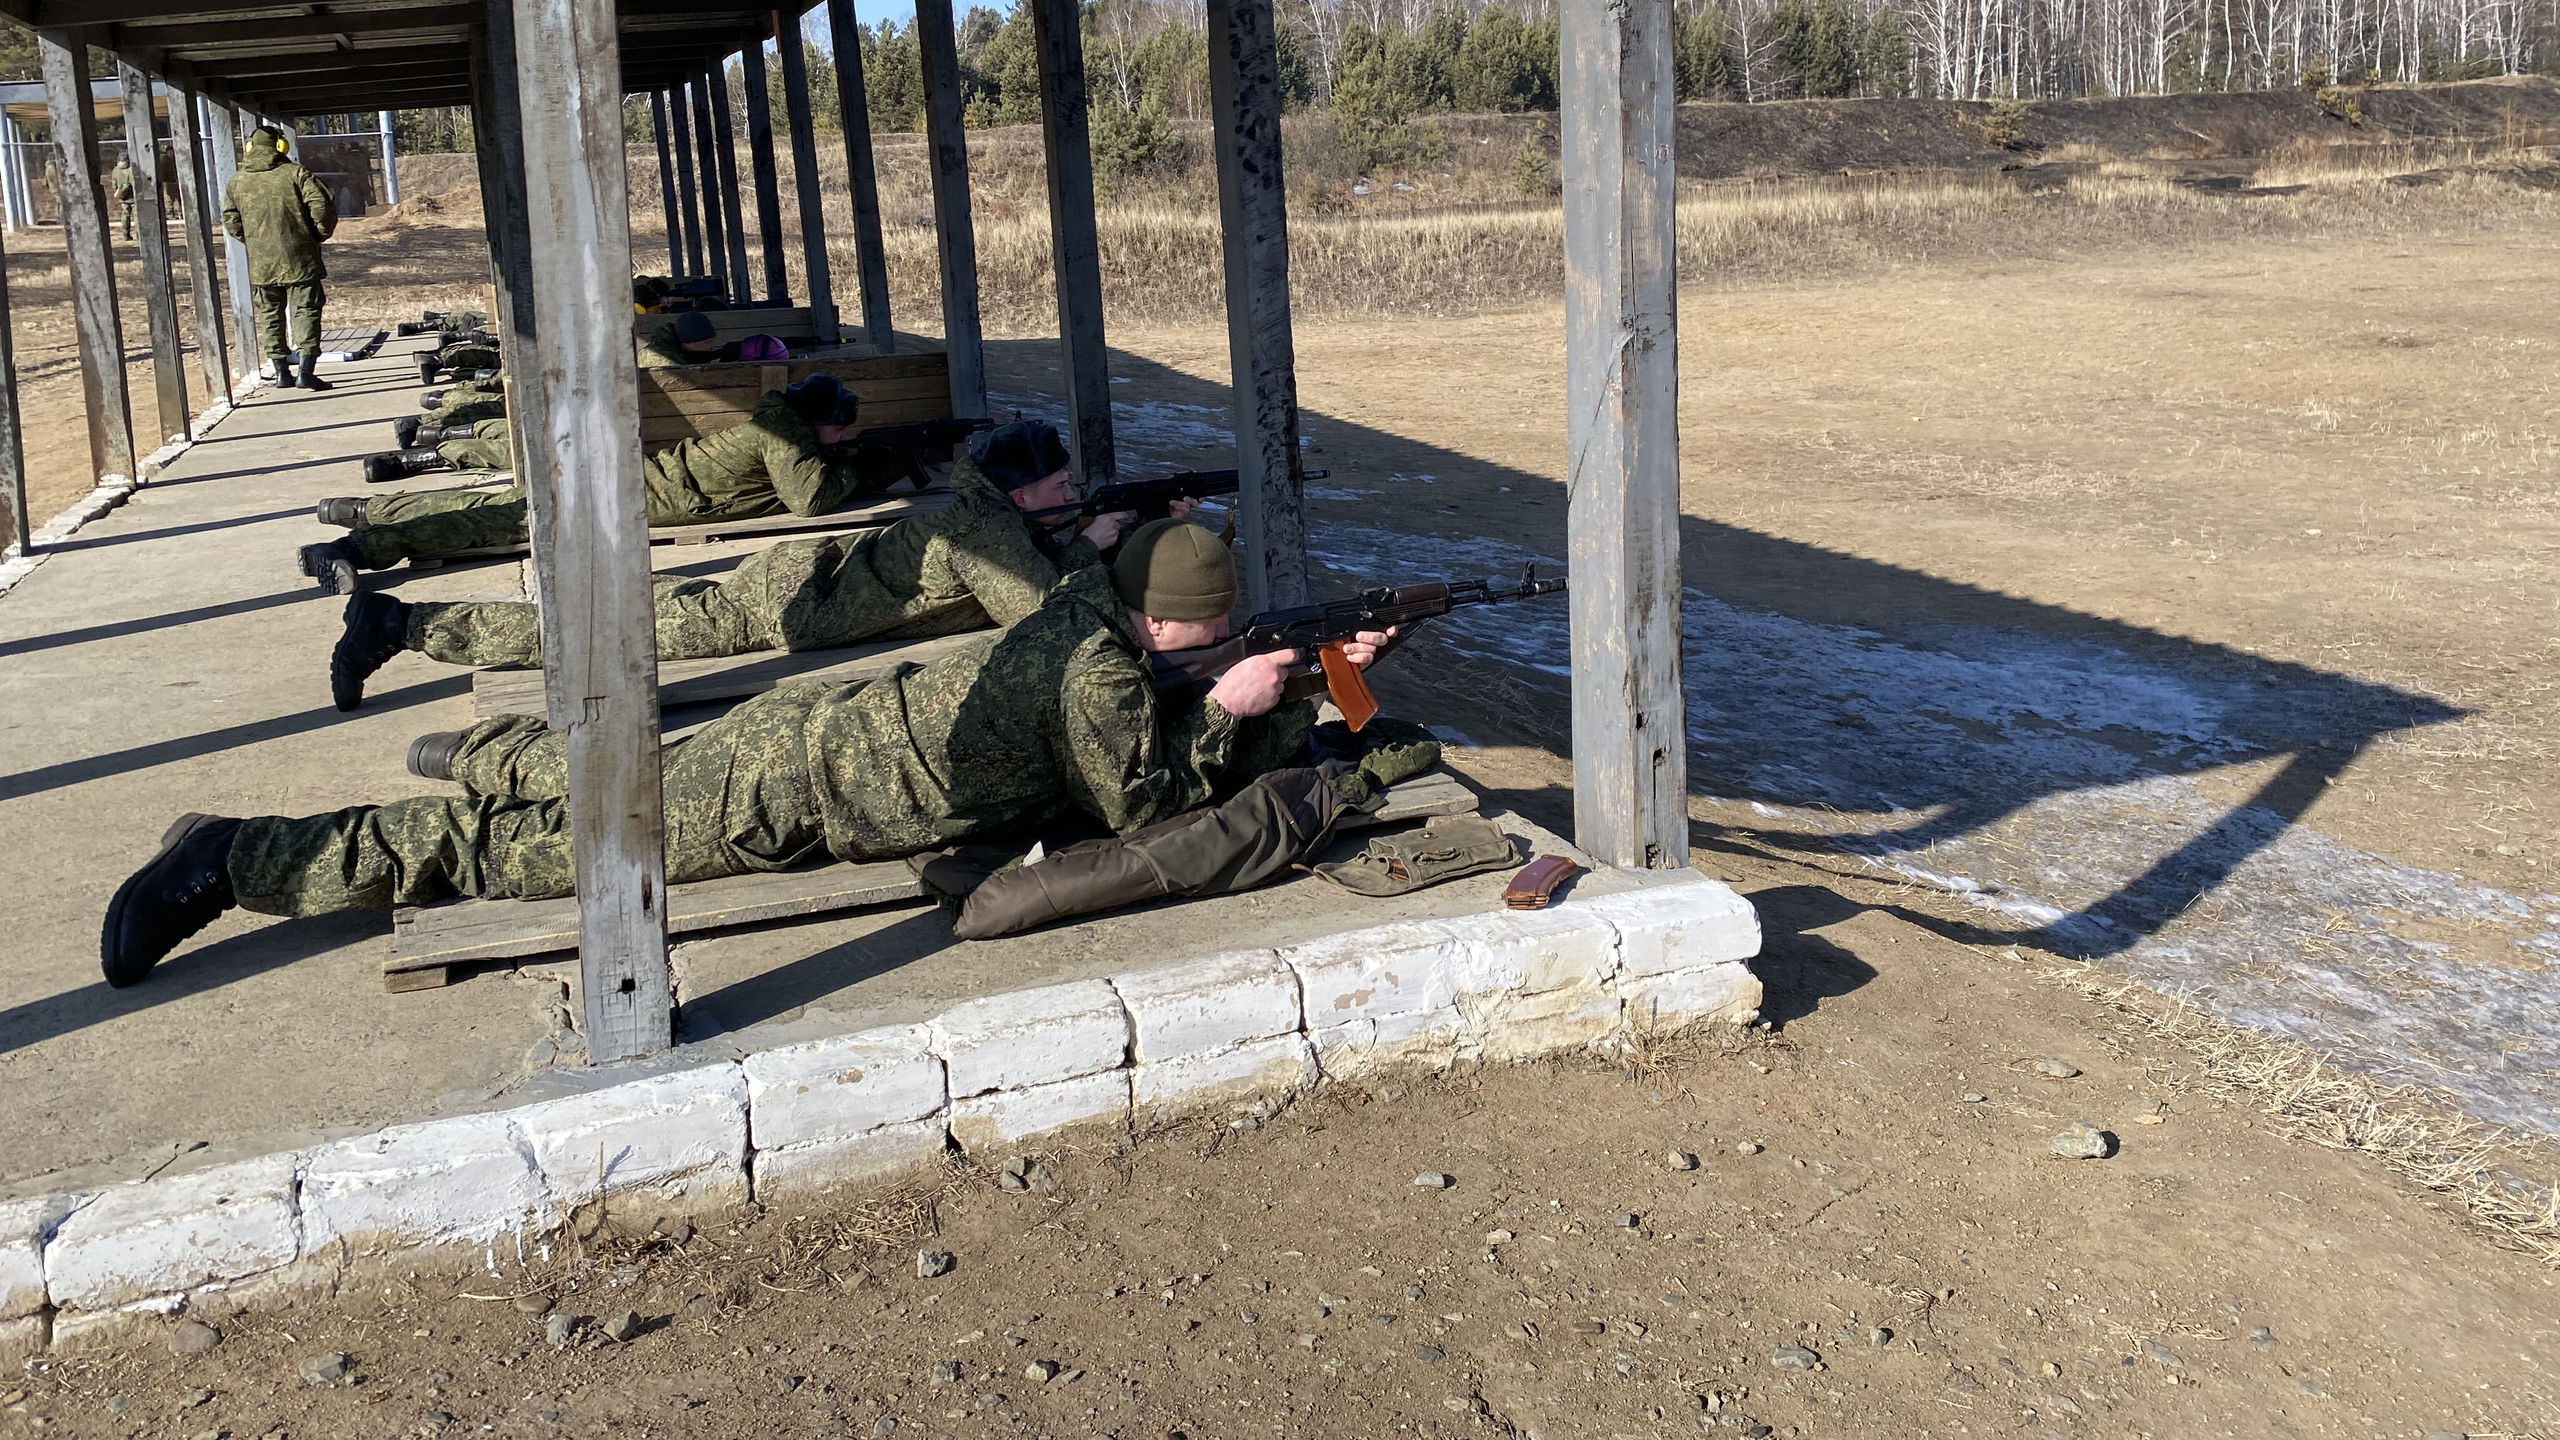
x,y
372,54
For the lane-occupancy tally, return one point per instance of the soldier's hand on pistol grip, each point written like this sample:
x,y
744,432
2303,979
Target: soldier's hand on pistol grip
x,y
1106,530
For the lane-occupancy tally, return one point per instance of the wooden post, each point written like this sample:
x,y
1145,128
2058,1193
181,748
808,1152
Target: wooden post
x,y
688,196
151,228
84,234
714,244
195,213
724,154
870,254
591,535
223,129
777,273
1253,210
667,182
13,448
804,178
955,233
1084,364
1622,435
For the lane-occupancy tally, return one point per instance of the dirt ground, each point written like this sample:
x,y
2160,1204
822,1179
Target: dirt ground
x,y
2292,498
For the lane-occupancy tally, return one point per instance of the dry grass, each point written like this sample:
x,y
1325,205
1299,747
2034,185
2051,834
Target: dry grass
x,y
2497,1176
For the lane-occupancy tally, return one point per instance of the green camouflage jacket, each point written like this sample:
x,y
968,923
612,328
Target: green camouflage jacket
x,y
120,180
1053,717
763,465
282,214
971,564
660,348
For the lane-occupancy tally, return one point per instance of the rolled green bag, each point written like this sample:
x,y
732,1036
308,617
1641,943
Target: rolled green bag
x,y
1445,848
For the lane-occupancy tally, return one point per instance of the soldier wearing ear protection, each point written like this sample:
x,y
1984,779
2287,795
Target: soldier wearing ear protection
x,y
283,214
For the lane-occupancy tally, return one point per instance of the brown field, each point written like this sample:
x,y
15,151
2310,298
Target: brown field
x,y
2283,442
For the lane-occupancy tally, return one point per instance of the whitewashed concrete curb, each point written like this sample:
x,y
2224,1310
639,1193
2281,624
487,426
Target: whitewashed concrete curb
x,y
1217,1031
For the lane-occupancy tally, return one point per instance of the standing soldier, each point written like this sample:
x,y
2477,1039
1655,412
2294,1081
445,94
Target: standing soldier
x,y
120,185
282,213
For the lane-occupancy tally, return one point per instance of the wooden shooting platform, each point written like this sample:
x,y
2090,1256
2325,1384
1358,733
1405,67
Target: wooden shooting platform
x,y
872,516
696,682
793,324
429,942
681,402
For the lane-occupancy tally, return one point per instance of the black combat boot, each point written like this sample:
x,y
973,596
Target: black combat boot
x,y
431,399
431,756
377,629
179,892
333,563
280,370
344,511
404,431
401,464
311,372
430,365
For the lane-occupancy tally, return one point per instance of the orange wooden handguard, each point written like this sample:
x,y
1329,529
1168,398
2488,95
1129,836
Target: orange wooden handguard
x,y
1349,688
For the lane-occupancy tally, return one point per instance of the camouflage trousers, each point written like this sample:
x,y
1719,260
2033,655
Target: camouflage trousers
x,y
267,303
469,357
738,800
487,449
697,619
467,404
428,523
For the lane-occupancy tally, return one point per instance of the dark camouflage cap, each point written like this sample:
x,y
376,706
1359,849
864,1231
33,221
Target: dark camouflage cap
x,y
823,400
693,327
1175,570
1025,452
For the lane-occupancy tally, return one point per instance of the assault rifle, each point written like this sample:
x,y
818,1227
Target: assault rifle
x,y
906,449
1149,499
1317,634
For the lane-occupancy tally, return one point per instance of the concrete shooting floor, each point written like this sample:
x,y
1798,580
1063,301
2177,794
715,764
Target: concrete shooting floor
x,y
170,657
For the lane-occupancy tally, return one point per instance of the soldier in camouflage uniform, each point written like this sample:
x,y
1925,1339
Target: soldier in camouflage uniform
x,y
481,406
773,461
1054,719
282,214
120,185
972,564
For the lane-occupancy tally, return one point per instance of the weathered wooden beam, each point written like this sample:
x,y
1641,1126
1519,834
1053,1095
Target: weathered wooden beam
x,y
1253,207
222,133
1622,434
862,178
1084,363
151,228
13,447
180,33
94,317
196,215
817,270
714,240
667,182
390,61
591,523
724,154
768,178
688,195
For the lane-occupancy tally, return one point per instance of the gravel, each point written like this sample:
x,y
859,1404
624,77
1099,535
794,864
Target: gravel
x,y
1794,1357
2053,1069
933,1264
1429,1354
326,1369
2082,1141
1747,1147
192,1337
2163,1354
1435,1180
1683,1160
623,1328
558,1329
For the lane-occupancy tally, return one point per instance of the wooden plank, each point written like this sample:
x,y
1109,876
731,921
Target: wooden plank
x,y
768,178
931,388
1244,99
788,322
724,155
715,244
195,211
688,193
859,517
955,233
590,517
814,264
667,182
853,113
853,369
1622,387
893,412
699,682
428,939
13,448
1075,249
159,280
95,319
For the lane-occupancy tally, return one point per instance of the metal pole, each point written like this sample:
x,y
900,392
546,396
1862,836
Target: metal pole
x,y
390,160
599,644
1076,254
688,195
12,215
1622,434
714,245
1244,99
804,183
94,316
751,76
870,255
724,153
193,211
159,283
667,182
